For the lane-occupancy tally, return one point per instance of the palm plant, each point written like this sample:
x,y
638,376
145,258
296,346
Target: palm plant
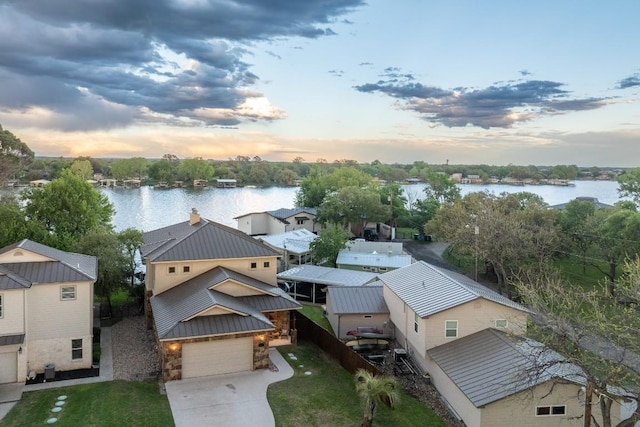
x,y
373,391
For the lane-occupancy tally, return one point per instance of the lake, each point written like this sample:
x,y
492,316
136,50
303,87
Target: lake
x,y
147,208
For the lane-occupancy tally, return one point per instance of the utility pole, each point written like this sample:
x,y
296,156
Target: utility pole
x,y
476,232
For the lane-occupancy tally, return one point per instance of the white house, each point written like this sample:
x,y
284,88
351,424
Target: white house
x,y
46,310
278,221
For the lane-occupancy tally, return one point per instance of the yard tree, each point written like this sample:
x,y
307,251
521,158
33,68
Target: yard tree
x,y
15,155
593,331
130,241
15,226
629,185
441,188
325,248
317,185
195,168
82,168
113,265
67,208
375,390
576,224
353,205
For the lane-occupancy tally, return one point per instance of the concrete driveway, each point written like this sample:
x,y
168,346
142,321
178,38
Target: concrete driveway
x,y
238,400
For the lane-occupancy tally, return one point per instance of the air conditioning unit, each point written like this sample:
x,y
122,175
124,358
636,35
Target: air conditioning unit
x,y
399,354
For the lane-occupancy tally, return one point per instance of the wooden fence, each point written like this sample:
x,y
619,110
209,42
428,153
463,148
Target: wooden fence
x,y
336,349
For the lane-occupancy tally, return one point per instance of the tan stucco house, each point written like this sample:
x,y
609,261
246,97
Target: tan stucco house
x,y
46,310
278,221
212,299
350,308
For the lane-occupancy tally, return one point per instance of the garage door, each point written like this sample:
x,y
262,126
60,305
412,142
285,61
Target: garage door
x,y
8,368
202,359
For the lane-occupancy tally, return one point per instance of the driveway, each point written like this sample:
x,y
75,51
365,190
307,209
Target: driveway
x,y
238,400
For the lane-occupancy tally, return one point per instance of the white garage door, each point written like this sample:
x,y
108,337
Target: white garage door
x,y
201,359
8,368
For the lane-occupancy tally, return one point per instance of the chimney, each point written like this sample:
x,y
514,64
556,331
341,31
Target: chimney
x,y
194,217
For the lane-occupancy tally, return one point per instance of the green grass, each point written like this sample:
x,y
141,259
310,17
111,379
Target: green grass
x,y
588,279
328,398
316,314
115,403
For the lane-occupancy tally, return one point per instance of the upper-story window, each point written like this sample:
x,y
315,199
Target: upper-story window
x,y
186,269
171,269
451,328
501,323
253,265
67,293
266,264
416,320
551,410
300,221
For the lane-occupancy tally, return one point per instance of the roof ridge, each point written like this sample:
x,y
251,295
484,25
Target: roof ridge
x,y
457,282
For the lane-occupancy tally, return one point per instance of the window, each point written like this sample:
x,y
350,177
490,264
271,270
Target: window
x,y
550,411
1,307
416,319
76,349
254,265
68,292
300,221
368,316
186,269
451,328
266,264
172,270
501,323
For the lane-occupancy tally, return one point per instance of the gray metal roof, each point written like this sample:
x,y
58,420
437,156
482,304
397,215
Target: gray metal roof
x,y
203,240
84,264
46,272
327,276
284,213
175,308
10,280
428,289
361,300
11,339
296,241
346,257
490,365
598,204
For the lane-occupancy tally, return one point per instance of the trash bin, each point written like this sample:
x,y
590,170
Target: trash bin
x,y
49,371
428,238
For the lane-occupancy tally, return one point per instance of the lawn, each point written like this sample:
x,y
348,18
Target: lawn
x,y
99,404
316,314
328,398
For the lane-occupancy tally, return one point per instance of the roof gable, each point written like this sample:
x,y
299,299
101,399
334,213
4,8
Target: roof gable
x,y
284,213
203,240
428,289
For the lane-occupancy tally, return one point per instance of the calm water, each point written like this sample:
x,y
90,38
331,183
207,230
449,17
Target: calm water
x,y
146,208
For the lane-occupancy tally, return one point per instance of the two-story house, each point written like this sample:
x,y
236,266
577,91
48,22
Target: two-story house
x,y
46,310
278,221
212,299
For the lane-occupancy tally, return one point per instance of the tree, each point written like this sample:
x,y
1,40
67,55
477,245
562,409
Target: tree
x,y
441,187
325,248
576,227
195,168
592,331
353,205
113,265
316,186
15,226
82,168
165,169
629,185
135,167
67,208
130,241
15,155
373,391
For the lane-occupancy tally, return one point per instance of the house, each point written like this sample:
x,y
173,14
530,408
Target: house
x,y
491,378
594,200
310,282
372,256
349,308
278,221
226,183
431,306
293,246
212,299
46,310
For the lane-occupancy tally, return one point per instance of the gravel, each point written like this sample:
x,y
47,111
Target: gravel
x,y
135,353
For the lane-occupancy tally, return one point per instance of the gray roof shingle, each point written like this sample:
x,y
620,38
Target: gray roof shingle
x,y
364,300
428,289
490,365
203,240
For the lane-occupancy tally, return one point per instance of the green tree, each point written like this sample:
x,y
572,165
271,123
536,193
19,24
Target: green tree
x,y
130,241
373,391
317,185
629,185
15,155
325,248
353,205
195,168
67,208
165,169
441,188
15,226
82,168
576,224
133,168
113,265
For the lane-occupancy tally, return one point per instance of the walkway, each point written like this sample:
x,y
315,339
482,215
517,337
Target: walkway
x,y
10,394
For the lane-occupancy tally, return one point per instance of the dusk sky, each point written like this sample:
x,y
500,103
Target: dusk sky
x,y
468,82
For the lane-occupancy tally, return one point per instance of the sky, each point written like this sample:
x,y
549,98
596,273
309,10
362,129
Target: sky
x,y
461,82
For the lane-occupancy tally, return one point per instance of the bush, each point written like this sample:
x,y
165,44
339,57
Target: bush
x,y
96,353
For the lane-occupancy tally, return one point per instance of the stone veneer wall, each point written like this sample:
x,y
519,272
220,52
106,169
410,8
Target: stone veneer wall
x,y
147,309
281,320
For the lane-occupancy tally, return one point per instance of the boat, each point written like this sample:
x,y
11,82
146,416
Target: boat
x,y
367,341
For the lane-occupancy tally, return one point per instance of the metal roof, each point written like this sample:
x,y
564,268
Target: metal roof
x,y
490,365
361,245
175,308
203,240
46,272
346,257
362,300
284,213
10,280
296,241
428,289
11,339
327,276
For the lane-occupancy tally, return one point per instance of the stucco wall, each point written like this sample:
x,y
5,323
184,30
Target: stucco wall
x,y
12,320
58,351
21,255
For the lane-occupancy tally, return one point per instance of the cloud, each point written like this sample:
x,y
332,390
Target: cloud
x,y
630,81
173,59
500,105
